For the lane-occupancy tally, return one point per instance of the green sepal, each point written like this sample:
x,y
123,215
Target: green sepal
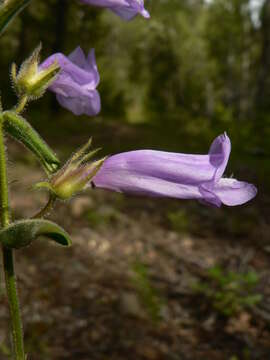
x,y
24,232
8,10
31,81
21,130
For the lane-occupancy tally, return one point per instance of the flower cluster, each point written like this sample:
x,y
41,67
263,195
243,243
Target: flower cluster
x,y
74,80
142,172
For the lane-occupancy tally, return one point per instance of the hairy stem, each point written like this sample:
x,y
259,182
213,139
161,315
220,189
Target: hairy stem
x,y
21,104
8,262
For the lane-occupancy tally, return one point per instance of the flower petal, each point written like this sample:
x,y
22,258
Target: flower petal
x,y
85,104
183,176
229,192
76,83
128,13
76,73
123,180
91,66
126,9
186,169
77,57
219,154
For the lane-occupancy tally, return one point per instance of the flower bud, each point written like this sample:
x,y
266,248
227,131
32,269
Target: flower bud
x,y
17,127
75,175
31,80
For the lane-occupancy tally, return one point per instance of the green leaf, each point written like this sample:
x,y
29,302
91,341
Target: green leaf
x,y
251,278
23,232
22,131
252,300
8,11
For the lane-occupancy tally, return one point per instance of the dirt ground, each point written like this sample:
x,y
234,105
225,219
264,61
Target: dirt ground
x,y
89,301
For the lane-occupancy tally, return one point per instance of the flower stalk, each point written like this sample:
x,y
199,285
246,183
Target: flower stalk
x,y
8,261
21,104
46,209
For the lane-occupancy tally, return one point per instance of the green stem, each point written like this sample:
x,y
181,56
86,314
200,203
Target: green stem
x,y
8,10
21,104
47,208
10,277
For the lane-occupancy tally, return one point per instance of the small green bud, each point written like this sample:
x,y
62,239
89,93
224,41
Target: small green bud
x,y
16,126
31,81
75,175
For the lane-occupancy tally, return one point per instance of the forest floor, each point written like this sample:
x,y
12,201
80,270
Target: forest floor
x,y
136,283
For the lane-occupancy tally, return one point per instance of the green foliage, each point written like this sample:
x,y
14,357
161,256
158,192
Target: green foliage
x,y
147,293
191,58
229,292
245,355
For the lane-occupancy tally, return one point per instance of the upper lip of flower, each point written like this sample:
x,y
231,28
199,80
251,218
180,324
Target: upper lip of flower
x,y
177,167
219,154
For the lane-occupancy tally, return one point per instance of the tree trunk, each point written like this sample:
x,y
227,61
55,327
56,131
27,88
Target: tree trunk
x,y
61,15
263,82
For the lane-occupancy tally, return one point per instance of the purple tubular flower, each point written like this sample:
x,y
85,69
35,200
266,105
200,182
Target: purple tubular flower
x,y
75,85
181,176
126,9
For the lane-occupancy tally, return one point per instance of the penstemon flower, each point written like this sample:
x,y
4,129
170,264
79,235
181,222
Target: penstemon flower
x,y
127,9
175,175
75,85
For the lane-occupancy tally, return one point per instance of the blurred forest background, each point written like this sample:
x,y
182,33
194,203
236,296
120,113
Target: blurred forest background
x,y
197,68
169,279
